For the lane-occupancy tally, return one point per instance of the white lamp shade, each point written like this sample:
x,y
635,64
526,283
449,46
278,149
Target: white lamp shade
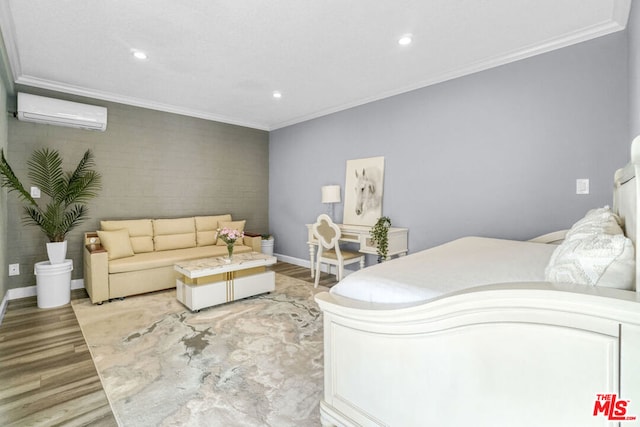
x,y
331,194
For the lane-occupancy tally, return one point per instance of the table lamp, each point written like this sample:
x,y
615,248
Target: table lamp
x,y
330,195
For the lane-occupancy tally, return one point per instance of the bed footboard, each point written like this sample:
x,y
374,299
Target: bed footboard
x,y
523,354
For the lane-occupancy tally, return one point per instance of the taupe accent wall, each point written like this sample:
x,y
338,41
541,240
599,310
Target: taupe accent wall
x,y
3,195
154,165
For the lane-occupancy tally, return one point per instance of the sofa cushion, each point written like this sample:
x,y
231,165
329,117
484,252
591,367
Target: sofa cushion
x,y
176,233
165,258
232,225
206,228
116,243
140,232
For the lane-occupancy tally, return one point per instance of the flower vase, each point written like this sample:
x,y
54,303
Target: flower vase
x,y
230,250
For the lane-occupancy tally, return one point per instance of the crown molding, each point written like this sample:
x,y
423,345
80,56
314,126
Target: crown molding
x,y
135,102
617,23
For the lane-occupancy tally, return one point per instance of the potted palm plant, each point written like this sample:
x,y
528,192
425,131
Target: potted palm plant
x,y
68,194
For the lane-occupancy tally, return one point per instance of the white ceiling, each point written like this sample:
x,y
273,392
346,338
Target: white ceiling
x,y
222,59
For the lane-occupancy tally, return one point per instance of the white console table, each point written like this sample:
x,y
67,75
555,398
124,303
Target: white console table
x,y
398,240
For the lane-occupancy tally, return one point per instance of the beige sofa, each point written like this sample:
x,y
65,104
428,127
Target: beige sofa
x,y
128,257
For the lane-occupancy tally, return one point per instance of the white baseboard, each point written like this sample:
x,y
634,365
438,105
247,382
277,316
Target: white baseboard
x,y
77,284
307,264
29,291
3,306
295,261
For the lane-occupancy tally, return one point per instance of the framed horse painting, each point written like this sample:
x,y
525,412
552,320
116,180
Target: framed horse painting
x,y
363,191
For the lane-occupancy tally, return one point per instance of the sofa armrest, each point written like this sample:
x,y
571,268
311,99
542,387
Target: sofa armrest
x,y
96,269
255,242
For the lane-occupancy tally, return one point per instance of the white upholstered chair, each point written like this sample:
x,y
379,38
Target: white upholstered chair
x,y
327,233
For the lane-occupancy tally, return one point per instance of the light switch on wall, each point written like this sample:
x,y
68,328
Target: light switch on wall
x,y
582,186
35,192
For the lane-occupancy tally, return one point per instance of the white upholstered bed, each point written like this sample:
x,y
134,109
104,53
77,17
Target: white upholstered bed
x,y
490,332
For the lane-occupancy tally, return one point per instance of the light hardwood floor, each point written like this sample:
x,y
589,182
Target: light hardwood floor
x,y
302,273
47,376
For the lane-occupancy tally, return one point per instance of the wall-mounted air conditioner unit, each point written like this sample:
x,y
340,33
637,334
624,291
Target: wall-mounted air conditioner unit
x,y
39,109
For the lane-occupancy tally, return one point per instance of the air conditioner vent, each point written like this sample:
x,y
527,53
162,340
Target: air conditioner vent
x,y
40,109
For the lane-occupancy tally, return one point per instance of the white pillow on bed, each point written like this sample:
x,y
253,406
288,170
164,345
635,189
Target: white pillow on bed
x,y
596,221
595,252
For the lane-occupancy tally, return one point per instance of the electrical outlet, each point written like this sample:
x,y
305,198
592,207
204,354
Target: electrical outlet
x,y
35,192
14,269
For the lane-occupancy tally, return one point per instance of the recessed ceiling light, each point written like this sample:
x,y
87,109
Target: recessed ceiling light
x,y
277,94
405,40
139,54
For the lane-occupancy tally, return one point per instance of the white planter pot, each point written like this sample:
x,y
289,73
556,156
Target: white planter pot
x,y
267,246
53,283
57,252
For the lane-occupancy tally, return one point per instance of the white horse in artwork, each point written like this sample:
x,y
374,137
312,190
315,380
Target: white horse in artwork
x,y
368,190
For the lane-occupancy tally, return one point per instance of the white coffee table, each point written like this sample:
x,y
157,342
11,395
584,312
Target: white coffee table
x,y
207,282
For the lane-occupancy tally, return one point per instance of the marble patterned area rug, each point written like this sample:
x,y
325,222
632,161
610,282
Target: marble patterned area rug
x,y
253,362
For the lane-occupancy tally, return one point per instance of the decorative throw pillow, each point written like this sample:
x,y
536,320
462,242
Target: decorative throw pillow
x,y
598,260
601,220
140,232
595,252
117,243
232,225
621,273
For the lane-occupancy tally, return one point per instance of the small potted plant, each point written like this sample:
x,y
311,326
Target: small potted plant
x,y
267,244
379,235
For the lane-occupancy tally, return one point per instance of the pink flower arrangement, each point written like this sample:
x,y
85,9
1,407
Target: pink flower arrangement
x,y
229,235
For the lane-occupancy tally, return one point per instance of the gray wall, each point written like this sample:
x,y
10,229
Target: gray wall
x,y
154,165
495,153
633,29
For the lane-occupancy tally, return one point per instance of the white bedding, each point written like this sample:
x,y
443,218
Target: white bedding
x,y
457,265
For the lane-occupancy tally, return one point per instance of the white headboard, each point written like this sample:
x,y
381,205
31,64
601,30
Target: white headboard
x,y
626,198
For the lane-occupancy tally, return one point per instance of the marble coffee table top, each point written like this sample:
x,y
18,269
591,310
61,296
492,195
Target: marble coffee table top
x,y
215,265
